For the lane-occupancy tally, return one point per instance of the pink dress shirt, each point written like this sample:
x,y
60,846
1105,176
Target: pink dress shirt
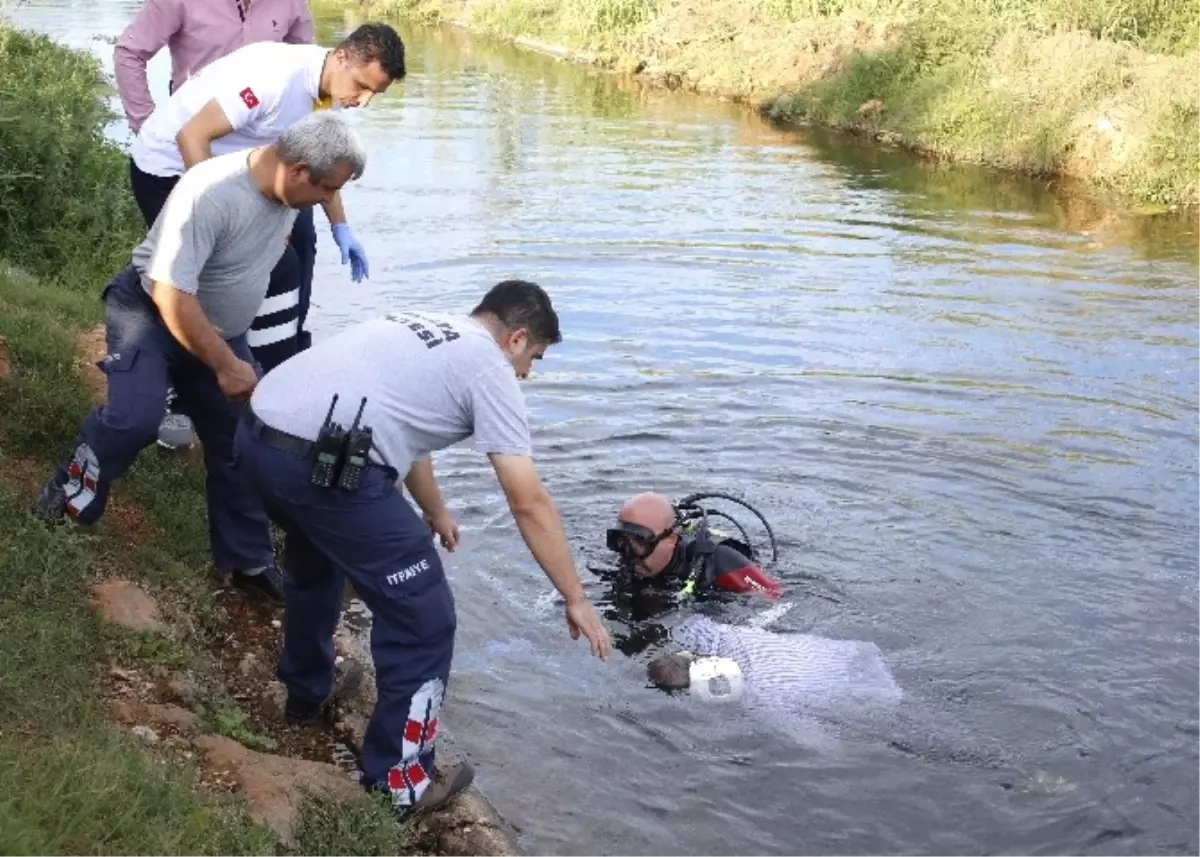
x,y
197,32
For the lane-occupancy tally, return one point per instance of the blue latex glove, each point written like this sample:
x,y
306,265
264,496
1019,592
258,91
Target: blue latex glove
x,y
352,251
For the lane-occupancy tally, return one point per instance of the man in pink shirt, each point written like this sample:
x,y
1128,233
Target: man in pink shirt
x,y
196,33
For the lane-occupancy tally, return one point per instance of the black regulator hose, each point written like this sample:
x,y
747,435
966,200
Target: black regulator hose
x,y
690,504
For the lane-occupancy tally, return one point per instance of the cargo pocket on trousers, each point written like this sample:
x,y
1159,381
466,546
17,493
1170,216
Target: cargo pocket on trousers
x,y
136,398
118,361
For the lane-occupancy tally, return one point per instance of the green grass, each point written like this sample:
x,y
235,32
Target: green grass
x,y
972,90
229,720
1159,26
74,781
1101,90
364,827
65,208
93,792
585,23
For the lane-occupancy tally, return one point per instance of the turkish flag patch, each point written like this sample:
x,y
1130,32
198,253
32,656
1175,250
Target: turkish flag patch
x,y
249,98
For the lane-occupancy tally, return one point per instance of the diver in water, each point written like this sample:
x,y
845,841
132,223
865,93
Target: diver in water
x,y
672,546
667,553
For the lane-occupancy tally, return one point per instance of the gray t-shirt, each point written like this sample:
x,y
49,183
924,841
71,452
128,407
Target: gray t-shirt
x,y
430,381
217,238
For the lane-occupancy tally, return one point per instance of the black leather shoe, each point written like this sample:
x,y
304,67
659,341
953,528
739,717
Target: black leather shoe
x,y
50,505
265,584
298,712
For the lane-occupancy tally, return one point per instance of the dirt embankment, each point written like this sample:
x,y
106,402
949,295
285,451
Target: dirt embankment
x,y
955,79
159,706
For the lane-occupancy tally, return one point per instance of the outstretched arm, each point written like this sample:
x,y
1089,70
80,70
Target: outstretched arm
x,y
541,527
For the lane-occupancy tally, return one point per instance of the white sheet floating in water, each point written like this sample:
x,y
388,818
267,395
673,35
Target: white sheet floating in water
x,y
797,672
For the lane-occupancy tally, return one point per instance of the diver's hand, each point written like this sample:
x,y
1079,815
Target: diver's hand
x,y
445,526
582,619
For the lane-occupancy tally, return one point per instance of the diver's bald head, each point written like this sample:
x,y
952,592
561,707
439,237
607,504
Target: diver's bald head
x,y
654,514
650,510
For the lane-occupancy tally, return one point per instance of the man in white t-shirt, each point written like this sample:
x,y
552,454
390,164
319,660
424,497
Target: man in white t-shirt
x,y
196,34
247,99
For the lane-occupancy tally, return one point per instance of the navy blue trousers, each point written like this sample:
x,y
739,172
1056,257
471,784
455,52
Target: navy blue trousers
x,y
374,538
143,360
293,271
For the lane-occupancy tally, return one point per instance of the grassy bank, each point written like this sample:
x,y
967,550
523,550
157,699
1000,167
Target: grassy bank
x,y
1103,90
74,780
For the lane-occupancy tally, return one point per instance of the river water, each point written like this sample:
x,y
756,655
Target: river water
x,y
967,404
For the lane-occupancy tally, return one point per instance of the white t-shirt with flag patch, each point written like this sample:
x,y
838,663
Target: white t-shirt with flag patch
x,y
263,89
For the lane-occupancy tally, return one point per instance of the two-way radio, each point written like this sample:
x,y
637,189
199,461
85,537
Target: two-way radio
x,y
358,447
327,451
340,457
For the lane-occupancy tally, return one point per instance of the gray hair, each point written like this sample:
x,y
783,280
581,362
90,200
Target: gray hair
x,y
321,141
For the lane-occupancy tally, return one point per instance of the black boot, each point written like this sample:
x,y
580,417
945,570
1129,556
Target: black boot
x,y
299,712
265,584
50,505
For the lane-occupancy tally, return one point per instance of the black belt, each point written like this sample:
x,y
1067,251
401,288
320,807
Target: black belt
x,y
285,442
280,440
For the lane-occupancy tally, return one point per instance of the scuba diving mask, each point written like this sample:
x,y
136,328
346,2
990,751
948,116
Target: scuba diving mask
x,y
633,541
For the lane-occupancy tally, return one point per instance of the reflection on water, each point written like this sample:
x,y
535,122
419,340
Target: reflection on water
x,y
967,404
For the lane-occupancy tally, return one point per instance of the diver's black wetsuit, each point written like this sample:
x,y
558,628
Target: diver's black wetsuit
x,y
713,564
722,565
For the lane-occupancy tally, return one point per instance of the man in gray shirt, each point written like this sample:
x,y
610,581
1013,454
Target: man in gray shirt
x,y
421,382
177,315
